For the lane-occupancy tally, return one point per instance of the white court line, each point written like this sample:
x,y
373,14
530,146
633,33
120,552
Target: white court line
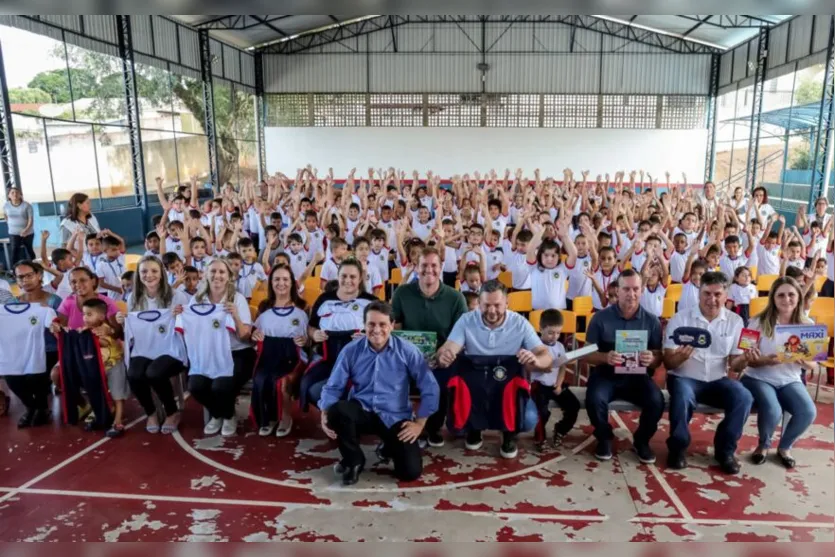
x,y
727,522
677,503
296,485
489,514
66,462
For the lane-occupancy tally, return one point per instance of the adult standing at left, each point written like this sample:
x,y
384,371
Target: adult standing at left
x,y
700,375
79,218
20,218
430,305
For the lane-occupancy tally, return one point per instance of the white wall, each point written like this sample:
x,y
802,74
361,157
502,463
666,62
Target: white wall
x,y
449,151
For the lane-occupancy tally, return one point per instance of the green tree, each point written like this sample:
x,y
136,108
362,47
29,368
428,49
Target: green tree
x,y
809,90
24,95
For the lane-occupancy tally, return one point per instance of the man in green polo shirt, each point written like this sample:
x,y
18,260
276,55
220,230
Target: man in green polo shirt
x,y
429,305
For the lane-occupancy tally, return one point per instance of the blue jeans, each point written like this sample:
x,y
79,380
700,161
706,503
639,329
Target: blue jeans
x,y
638,389
725,393
771,402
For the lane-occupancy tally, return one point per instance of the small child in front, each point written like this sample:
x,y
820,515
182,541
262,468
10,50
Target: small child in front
x,y
547,385
113,359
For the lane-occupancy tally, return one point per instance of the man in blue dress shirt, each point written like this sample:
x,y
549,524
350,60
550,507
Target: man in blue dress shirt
x,y
379,367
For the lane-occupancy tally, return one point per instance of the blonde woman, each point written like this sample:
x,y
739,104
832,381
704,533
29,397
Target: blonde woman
x,y
216,326
155,354
778,387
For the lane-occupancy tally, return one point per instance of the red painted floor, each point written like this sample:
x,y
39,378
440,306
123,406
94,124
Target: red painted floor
x,y
58,483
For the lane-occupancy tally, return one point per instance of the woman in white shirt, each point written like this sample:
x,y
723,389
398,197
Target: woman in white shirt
x,y
79,217
778,387
153,354
218,308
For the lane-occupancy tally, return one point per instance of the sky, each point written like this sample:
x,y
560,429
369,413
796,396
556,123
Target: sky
x,y
25,55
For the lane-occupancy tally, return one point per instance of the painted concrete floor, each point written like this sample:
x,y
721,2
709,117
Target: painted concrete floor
x,y
61,484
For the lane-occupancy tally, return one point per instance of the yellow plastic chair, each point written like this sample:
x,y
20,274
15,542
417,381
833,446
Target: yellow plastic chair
x,y
520,301
764,282
674,292
132,261
506,278
123,306
534,318
317,270
253,311
569,322
310,295
669,309
757,305
819,281
823,307
15,289
583,306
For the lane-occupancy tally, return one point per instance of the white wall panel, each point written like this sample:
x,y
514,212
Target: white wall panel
x,y
543,73
142,35
449,38
101,27
165,38
800,37
189,48
612,44
322,73
248,69
449,151
752,57
726,68
556,38
70,22
777,46
231,63
655,73
821,32
423,73
740,69
216,49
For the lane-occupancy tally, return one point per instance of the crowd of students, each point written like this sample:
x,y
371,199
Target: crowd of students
x,y
220,290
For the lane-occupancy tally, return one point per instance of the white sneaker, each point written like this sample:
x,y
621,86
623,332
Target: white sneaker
x,y
230,427
213,426
266,431
284,427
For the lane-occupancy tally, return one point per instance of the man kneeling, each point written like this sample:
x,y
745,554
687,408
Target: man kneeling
x,y
379,367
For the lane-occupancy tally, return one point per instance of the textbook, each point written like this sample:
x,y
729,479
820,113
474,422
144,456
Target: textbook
x,y
426,341
798,343
577,354
628,345
748,339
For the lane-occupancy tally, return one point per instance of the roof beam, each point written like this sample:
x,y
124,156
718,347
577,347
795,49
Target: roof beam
x,y
642,34
730,21
699,24
268,24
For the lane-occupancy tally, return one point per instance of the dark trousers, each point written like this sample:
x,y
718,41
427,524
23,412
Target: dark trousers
x,y
566,400
640,390
349,420
146,375
21,244
31,389
727,394
218,395
436,421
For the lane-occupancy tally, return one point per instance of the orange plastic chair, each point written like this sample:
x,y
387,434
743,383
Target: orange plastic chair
x,y
310,295
534,318
569,322
757,305
396,276
520,301
583,306
674,292
764,282
132,261
506,278
123,306
317,270
823,307
819,281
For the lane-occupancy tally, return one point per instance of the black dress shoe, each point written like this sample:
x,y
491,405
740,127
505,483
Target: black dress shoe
x,y
676,461
759,458
787,460
26,419
729,465
352,474
42,417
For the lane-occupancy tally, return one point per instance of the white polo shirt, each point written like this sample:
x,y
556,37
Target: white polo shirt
x,y
706,364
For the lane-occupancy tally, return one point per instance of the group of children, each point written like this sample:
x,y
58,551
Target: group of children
x,y
560,240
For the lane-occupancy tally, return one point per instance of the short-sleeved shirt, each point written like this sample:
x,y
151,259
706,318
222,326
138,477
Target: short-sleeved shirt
x,y
243,314
178,298
438,313
508,338
75,317
707,364
604,324
17,216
